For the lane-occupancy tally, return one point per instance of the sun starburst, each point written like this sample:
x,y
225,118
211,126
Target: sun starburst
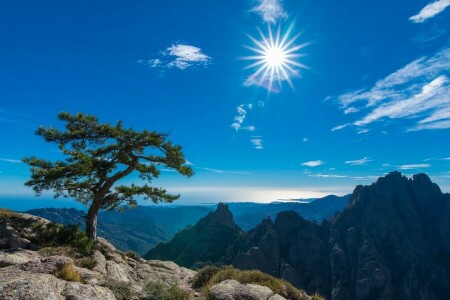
x,y
275,59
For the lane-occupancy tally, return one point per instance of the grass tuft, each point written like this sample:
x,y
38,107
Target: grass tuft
x,y
68,273
158,291
278,286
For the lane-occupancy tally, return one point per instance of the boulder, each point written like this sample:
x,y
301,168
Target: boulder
x,y
233,290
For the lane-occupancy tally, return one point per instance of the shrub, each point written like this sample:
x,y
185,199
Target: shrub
x,y
278,286
56,235
204,276
68,273
158,291
121,290
133,255
86,262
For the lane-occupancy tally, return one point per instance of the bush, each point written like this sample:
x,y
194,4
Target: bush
x,y
120,289
278,286
157,291
86,262
133,255
68,273
52,235
204,276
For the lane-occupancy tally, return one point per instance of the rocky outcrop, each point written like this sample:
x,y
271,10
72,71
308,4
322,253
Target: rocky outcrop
x,y
233,290
29,274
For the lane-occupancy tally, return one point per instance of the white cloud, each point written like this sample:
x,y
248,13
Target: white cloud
x,y
327,176
180,56
413,166
339,127
358,162
14,161
351,110
430,11
417,93
257,143
313,163
249,128
223,171
239,118
270,10
362,131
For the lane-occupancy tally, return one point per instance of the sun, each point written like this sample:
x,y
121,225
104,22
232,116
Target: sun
x,y
275,59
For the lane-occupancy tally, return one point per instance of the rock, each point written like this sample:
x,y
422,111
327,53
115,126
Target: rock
x,y
28,275
28,286
100,262
233,290
16,256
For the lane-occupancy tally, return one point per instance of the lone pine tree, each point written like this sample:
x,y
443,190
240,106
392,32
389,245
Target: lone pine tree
x,y
97,156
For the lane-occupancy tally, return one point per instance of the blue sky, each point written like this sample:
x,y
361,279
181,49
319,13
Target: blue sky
x,y
374,95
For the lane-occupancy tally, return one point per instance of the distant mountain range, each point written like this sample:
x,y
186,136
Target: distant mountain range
x,y
144,227
392,241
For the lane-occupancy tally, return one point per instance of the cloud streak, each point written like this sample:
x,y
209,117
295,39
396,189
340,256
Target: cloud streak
x,y
417,93
179,56
430,10
358,162
413,166
14,161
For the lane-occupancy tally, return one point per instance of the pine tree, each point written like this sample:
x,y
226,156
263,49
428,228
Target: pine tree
x,y
97,157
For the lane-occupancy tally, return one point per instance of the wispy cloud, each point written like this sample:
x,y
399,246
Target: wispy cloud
x,y
313,163
327,175
270,10
223,171
417,93
241,113
430,10
14,161
414,166
339,127
257,142
358,162
179,56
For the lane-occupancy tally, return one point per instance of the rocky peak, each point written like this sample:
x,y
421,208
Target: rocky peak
x,y
224,215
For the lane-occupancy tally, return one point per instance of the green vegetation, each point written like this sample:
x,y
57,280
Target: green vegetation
x,y
85,262
56,235
278,286
158,291
121,290
203,277
68,273
6,213
97,156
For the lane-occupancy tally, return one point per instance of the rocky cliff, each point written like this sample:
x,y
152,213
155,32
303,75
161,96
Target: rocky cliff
x,y
391,242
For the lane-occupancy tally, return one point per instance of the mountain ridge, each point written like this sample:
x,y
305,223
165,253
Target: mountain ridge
x,y
392,241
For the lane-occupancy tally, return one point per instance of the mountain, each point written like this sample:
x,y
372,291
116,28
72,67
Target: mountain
x,y
144,227
392,241
201,243
248,215
138,229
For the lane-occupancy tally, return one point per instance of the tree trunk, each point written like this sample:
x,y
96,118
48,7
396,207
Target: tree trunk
x,y
91,221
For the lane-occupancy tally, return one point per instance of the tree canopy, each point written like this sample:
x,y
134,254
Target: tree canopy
x,y
97,156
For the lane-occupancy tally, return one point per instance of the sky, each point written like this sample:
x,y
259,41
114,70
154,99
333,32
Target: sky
x,y
348,92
